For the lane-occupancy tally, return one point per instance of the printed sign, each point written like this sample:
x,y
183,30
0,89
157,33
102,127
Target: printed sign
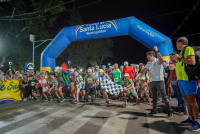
x,y
96,28
9,91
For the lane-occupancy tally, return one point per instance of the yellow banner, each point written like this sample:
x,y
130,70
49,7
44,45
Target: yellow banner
x,y
9,91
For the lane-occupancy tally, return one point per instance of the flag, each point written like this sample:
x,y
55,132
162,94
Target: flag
x,y
64,67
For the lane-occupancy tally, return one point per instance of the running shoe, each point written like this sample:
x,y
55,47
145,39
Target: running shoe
x,y
98,95
62,100
187,122
76,102
25,99
107,103
46,100
195,126
169,115
149,103
158,101
153,112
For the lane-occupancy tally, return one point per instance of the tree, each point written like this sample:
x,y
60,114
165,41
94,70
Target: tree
x,y
15,33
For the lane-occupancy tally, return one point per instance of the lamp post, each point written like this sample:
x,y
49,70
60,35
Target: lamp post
x,y
32,39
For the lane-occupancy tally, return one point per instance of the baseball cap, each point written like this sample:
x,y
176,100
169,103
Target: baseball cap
x,y
137,65
89,70
60,68
101,71
71,70
57,68
126,62
97,66
103,66
42,75
126,75
132,65
110,66
121,66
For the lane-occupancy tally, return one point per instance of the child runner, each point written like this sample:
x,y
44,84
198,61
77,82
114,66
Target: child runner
x,y
44,86
32,84
143,85
25,86
79,85
73,83
128,84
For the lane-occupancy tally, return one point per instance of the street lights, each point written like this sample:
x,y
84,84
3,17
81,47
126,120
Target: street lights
x,y
32,39
109,64
10,65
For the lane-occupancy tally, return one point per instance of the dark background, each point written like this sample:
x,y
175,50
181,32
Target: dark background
x,y
163,15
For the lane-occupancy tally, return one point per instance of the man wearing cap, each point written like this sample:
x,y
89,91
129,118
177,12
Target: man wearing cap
x,y
63,81
90,85
102,77
129,70
104,69
117,75
181,103
156,80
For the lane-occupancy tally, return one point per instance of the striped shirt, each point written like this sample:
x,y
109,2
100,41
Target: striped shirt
x,y
102,78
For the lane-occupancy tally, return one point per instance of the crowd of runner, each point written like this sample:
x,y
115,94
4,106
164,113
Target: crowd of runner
x,y
140,82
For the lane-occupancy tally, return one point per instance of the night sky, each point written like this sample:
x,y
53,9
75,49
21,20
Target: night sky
x,y
148,11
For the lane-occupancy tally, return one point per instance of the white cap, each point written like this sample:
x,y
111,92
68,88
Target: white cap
x,y
57,68
71,70
60,68
137,65
101,71
126,75
126,62
89,70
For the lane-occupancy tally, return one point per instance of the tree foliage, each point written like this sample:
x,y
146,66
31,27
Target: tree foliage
x,y
15,33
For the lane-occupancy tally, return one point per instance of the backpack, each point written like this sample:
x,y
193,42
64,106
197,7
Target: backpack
x,y
193,71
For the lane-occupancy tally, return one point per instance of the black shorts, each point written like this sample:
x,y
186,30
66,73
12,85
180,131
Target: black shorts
x,y
98,87
91,91
34,90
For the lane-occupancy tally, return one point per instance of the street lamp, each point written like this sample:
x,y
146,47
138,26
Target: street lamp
x,y
32,39
10,65
109,64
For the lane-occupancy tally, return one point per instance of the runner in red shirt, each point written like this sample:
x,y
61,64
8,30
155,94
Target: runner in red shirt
x,y
129,70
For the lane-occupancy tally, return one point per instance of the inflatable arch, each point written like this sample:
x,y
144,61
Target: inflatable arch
x,y
126,26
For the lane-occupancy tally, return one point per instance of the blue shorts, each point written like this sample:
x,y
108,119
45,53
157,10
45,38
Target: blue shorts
x,y
81,87
91,91
188,87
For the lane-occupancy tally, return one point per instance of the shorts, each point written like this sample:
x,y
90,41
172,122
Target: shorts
x,y
98,87
34,90
63,86
81,87
40,88
91,91
134,93
188,87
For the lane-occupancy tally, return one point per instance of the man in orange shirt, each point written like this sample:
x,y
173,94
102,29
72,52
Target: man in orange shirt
x,y
129,70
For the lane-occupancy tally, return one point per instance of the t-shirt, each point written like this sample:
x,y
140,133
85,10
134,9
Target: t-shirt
x,y
32,83
24,82
39,85
166,73
173,73
43,82
15,77
96,74
2,77
79,79
102,78
128,83
129,70
62,77
54,82
90,80
117,75
180,69
155,70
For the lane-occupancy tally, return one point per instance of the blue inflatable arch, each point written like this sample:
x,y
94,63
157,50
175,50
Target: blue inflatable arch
x,y
126,26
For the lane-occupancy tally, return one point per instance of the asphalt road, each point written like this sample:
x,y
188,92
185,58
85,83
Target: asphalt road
x,y
39,117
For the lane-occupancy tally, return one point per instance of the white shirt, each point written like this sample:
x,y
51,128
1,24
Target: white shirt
x,y
155,70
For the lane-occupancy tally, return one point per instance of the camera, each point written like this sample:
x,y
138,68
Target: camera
x,y
10,63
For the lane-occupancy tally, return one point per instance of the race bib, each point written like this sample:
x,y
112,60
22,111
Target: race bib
x,y
116,79
166,75
89,80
